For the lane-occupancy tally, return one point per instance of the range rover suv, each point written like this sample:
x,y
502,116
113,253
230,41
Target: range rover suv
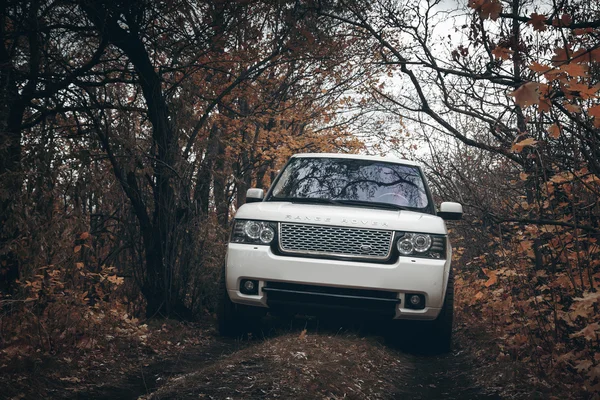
x,y
342,232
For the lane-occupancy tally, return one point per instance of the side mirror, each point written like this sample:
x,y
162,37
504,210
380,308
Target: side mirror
x,y
254,195
450,211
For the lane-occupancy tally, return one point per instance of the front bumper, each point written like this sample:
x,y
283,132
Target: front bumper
x,y
408,275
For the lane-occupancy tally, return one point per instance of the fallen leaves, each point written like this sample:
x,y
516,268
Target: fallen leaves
x,y
589,333
492,277
548,305
562,177
117,280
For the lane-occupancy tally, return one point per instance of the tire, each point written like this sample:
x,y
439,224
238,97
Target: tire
x,y
235,320
426,337
228,318
441,329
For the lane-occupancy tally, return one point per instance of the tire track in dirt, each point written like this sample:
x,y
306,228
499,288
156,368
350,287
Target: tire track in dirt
x,y
328,361
325,363
151,377
445,377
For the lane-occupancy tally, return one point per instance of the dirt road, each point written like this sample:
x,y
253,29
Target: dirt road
x,y
288,363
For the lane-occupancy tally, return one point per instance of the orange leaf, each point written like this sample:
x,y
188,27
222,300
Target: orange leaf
x,y
583,365
566,19
554,131
77,249
575,69
594,111
487,8
527,94
539,68
84,235
572,108
573,89
117,280
561,55
478,296
580,55
538,21
523,176
492,278
491,9
502,53
562,177
595,54
302,334
79,265
590,332
583,31
545,104
518,147
554,74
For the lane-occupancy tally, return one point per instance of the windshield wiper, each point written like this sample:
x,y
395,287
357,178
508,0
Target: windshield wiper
x,y
318,200
374,204
321,200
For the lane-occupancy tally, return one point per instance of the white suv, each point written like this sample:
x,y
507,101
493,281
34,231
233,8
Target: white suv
x,y
342,232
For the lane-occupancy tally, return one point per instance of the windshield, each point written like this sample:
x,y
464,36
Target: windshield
x,y
359,181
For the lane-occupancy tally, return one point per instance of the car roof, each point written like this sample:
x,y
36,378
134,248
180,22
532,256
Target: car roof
x,y
357,157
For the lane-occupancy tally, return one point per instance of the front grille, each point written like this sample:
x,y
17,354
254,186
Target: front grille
x,y
335,241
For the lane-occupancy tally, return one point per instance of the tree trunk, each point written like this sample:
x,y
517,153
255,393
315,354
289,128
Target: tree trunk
x,y
11,179
158,236
205,172
220,182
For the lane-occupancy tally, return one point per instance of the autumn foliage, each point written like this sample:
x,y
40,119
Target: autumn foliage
x,y
130,132
501,106
535,280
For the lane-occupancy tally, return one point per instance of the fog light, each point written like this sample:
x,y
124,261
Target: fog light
x,y
248,286
415,301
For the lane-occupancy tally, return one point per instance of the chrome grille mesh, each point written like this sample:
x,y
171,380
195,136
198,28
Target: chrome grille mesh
x,y
334,241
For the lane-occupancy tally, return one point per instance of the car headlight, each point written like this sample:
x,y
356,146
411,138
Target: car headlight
x,y
253,232
421,245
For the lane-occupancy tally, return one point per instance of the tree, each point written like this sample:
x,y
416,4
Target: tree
x,y
510,110
183,103
34,67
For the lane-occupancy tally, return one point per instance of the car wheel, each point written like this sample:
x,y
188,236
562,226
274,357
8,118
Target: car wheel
x,y
228,318
441,329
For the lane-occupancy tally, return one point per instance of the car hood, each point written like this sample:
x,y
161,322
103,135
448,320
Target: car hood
x,y
347,216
